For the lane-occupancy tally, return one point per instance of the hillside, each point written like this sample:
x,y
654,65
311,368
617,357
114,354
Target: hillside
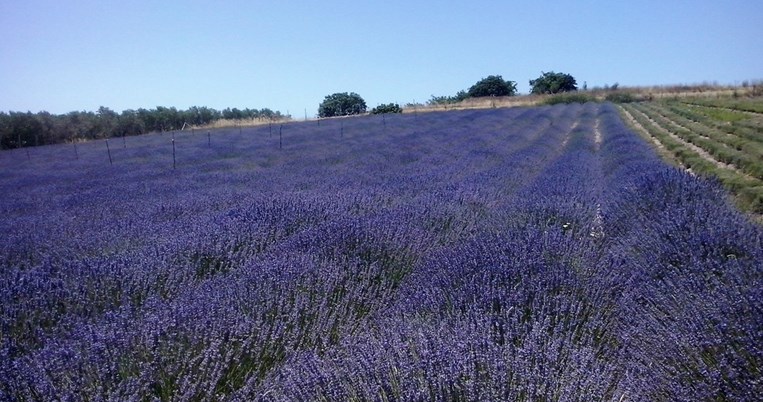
x,y
715,137
528,253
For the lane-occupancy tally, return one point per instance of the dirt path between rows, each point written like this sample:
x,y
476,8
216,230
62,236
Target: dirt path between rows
x,y
701,152
569,133
597,139
633,123
748,112
678,125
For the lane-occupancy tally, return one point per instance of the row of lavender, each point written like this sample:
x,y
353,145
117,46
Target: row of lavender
x,y
609,277
515,254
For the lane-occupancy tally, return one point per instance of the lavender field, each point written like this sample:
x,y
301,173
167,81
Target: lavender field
x,y
523,254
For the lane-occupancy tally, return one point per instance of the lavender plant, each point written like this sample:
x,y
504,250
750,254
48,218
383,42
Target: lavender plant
x,y
506,254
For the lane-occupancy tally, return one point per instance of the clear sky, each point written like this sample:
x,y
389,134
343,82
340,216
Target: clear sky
x,y
61,56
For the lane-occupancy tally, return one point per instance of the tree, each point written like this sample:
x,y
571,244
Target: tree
x,y
6,132
201,115
266,113
342,104
168,118
233,114
49,128
106,121
553,83
19,129
493,85
129,124
387,108
25,127
80,125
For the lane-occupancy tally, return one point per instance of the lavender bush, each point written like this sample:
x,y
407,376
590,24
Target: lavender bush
x,y
508,254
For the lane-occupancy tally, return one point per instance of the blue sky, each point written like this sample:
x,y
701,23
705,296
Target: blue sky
x,y
61,56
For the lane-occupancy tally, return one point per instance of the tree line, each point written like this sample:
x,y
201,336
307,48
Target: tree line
x,y
494,85
344,104
19,129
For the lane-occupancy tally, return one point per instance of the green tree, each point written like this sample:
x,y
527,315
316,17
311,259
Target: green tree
x,y
6,132
266,113
168,118
106,121
149,119
19,129
25,129
553,83
49,128
201,115
80,125
342,104
493,85
387,108
233,114
129,124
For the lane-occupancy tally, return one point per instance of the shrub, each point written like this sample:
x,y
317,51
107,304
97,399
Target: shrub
x,y
621,97
446,100
569,98
387,108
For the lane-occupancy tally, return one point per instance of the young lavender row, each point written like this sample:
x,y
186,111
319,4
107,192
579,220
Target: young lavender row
x,y
515,254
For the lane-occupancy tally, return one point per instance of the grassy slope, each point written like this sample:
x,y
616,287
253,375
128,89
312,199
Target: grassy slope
x,y
714,136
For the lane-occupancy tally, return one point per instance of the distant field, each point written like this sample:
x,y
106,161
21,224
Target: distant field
x,y
509,254
714,136
644,93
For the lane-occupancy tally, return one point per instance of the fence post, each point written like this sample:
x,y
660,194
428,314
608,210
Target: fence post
x,y
173,150
108,149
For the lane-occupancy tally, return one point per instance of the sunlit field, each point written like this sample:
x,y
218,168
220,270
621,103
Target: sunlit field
x,y
517,254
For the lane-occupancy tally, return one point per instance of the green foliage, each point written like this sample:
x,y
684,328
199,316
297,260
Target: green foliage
x,y
342,104
19,129
202,115
553,83
447,100
569,98
128,124
387,108
754,104
440,100
621,97
662,123
493,85
752,198
725,115
745,155
106,120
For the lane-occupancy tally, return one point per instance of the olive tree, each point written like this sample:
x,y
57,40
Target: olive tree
x,y
493,85
341,104
553,83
